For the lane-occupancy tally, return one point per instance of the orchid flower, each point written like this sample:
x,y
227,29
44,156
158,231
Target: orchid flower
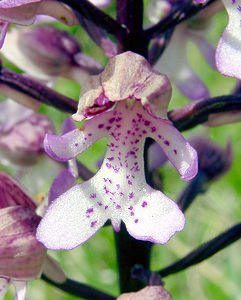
x,y
22,257
23,12
128,105
174,62
46,53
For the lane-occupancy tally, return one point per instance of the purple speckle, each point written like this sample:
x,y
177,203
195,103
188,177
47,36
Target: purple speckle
x,y
100,125
93,196
153,129
93,224
129,182
76,144
89,210
131,195
89,134
136,220
144,204
118,206
110,158
108,127
108,165
111,120
147,123
167,143
106,207
130,207
175,151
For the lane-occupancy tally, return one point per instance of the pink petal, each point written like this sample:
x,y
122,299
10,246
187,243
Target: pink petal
x,y
21,255
71,219
11,194
156,218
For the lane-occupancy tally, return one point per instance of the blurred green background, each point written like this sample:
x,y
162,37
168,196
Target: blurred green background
x,y
219,208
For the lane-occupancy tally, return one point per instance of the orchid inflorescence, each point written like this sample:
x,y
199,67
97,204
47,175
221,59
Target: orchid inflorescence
x,y
124,99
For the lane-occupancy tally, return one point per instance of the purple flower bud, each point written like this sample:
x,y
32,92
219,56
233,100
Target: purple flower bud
x,y
148,293
46,52
24,12
22,135
21,255
214,161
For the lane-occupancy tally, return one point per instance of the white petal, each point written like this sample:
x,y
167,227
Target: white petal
x,y
156,218
3,287
71,219
177,149
21,289
228,55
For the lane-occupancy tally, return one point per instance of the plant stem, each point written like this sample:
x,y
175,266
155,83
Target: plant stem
x,y
130,16
131,252
35,90
95,15
189,194
198,112
180,14
79,289
204,251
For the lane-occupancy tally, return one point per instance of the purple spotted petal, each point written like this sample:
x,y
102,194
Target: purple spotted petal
x,y
177,149
71,144
118,191
71,219
228,56
63,182
156,218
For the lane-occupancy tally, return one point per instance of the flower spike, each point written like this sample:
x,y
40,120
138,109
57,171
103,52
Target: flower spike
x,y
121,108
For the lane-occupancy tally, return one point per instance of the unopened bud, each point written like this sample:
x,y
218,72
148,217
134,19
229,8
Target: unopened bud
x,y
148,293
214,161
